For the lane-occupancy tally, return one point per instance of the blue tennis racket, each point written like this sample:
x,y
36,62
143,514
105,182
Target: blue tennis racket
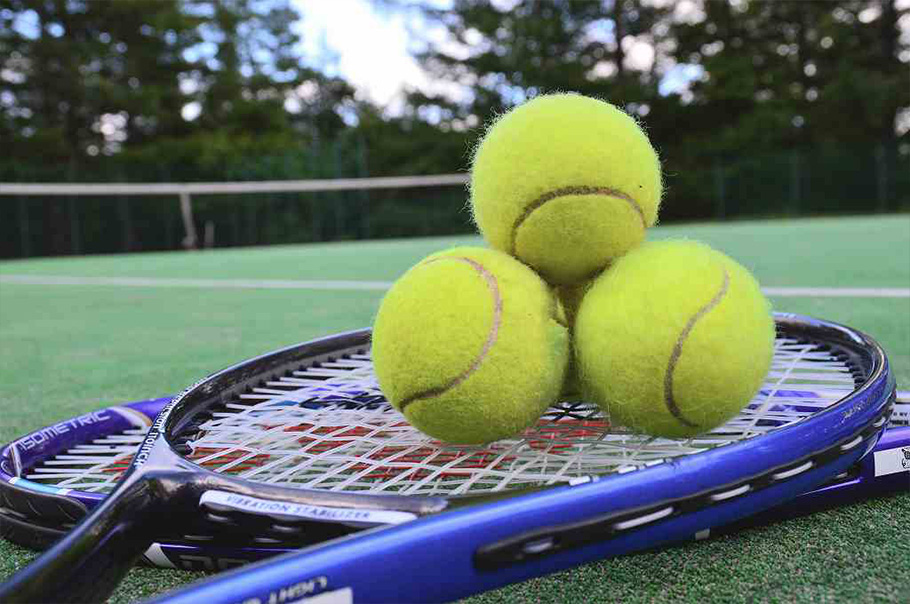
x,y
267,449
51,478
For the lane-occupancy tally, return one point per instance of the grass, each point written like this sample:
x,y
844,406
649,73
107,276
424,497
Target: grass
x,y
66,349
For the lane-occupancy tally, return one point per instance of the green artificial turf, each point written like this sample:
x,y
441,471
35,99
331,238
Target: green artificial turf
x,y
67,349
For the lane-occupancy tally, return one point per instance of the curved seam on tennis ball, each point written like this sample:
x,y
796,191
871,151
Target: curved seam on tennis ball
x,y
564,192
493,285
669,400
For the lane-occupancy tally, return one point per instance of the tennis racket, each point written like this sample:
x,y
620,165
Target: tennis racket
x,y
53,477
261,450
50,479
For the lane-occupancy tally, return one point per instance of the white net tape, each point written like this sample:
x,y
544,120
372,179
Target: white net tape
x,y
328,427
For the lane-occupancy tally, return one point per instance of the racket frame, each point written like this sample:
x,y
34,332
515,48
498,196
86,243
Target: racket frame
x,y
779,465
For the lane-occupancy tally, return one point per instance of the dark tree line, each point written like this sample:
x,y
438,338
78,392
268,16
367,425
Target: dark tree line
x,y
778,86
757,107
84,78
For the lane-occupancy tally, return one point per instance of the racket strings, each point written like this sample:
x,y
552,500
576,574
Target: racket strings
x,y
93,467
328,427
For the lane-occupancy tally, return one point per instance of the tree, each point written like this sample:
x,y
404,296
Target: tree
x,y
794,73
81,77
153,90
830,76
255,79
501,56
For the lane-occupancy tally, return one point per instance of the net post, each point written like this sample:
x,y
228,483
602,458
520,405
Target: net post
x,y
186,210
363,172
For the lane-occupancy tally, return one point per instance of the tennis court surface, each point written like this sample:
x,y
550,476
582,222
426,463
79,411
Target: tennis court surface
x,y
85,332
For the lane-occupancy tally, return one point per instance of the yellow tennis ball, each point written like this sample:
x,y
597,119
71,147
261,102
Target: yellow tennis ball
x,y
565,183
674,339
468,347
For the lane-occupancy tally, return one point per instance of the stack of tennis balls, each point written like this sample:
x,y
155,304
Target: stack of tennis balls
x,y
669,338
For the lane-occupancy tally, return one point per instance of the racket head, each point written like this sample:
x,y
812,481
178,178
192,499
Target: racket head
x,y
777,454
42,495
111,434
263,378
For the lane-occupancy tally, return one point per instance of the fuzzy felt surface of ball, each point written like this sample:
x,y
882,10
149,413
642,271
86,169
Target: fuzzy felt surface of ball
x,y
566,183
674,339
468,345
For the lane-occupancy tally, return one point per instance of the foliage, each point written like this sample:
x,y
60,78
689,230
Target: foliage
x,y
757,108
96,78
503,55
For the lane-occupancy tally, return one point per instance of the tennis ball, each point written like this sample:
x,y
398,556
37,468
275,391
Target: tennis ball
x,y
468,347
565,183
674,339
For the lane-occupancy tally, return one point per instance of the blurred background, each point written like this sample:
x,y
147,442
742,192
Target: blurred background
x,y
758,109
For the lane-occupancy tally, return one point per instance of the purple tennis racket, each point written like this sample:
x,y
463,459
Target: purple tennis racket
x,y
302,441
51,478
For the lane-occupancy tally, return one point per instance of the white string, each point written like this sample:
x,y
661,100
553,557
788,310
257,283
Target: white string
x,y
329,428
92,467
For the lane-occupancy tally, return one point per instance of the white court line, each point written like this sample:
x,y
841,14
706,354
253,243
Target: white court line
x,y
194,283
838,292
808,292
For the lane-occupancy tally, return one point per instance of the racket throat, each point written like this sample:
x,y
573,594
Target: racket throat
x,y
88,563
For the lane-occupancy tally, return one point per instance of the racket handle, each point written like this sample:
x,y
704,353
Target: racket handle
x,y
87,564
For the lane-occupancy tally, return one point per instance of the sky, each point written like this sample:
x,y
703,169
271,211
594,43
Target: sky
x,y
371,47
